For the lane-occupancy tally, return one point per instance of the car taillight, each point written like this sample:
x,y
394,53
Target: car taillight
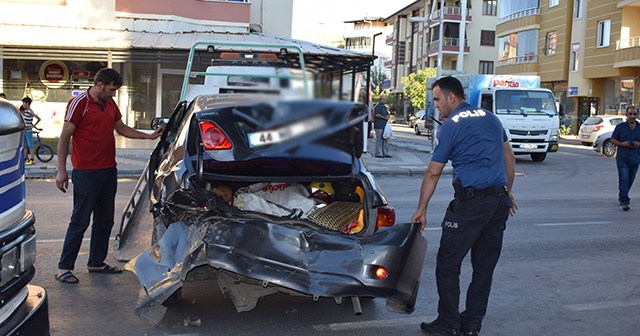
x,y
386,216
380,272
597,128
213,137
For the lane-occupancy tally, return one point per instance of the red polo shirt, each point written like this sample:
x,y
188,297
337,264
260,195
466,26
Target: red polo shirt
x,y
93,141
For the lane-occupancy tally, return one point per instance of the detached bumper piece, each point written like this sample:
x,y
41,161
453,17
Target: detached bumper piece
x,y
252,259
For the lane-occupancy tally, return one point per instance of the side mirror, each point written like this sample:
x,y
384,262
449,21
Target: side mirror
x,y
158,122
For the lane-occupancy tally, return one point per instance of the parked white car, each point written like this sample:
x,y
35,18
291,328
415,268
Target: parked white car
x,y
597,125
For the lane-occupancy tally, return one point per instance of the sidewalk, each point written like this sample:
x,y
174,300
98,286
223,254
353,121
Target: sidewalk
x,y
132,156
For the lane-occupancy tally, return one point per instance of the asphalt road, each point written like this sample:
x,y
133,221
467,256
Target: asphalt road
x,y
569,267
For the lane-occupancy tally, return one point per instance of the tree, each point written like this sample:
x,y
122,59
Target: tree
x,y
415,86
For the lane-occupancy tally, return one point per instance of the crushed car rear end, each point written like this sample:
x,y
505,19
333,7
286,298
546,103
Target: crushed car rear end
x,y
273,196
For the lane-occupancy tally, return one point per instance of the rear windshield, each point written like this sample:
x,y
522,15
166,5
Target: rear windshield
x,y
593,121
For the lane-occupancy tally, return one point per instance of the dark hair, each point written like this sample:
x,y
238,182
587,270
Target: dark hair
x,y
450,84
108,76
27,100
3,95
630,107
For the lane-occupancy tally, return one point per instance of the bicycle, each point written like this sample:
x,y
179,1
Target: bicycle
x,y
44,153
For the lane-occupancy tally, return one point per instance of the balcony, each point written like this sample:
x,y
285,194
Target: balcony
x,y
627,53
451,14
520,14
389,40
450,45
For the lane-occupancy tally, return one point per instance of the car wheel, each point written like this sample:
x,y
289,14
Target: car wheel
x,y
609,149
538,157
417,130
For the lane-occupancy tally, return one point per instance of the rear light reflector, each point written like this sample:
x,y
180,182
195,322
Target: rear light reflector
x,y
380,272
386,216
213,138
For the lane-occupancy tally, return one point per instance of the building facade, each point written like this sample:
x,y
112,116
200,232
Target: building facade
x,y
587,52
51,49
460,35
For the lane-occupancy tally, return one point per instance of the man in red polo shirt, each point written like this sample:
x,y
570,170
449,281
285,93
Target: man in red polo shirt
x,y
89,123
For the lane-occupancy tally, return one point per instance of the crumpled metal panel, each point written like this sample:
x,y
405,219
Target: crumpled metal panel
x,y
311,262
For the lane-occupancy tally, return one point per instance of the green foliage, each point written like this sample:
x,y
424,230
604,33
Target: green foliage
x,y
415,86
565,129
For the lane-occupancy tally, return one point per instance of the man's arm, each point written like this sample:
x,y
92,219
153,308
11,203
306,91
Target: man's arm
x,y
131,133
510,165
36,117
428,187
62,178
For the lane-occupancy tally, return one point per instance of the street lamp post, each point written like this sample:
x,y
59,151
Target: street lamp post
x,y
369,101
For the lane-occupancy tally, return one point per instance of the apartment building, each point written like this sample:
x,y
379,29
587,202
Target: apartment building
x,y
362,35
587,52
51,49
428,31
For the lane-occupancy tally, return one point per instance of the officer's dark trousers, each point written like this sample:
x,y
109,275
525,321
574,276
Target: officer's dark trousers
x,y
475,224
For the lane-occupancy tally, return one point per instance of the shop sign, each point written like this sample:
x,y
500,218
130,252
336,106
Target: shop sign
x,y
54,74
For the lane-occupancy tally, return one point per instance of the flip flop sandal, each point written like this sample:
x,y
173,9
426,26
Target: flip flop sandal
x,y
106,269
67,277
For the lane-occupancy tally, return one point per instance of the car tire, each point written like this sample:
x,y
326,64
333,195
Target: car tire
x,y
538,157
609,149
416,130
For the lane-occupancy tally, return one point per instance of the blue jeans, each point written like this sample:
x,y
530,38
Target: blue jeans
x,y
626,175
94,193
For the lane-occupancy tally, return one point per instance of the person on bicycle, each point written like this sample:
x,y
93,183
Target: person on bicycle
x,y
28,115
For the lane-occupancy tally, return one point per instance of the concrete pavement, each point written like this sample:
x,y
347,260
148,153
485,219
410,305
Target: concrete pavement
x,y
408,158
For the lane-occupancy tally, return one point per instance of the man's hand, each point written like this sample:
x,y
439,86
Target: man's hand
x,y
62,180
420,217
156,133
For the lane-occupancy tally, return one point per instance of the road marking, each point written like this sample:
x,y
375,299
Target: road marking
x,y
62,240
603,305
576,146
346,326
575,223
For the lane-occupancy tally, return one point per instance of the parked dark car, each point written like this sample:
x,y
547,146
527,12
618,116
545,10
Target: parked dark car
x,y
219,154
23,307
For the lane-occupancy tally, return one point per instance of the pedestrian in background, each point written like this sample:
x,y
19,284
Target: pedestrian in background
x,y
483,172
89,122
380,120
28,115
626,136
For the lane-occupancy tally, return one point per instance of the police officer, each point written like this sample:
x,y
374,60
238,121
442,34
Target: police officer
x,y
483,171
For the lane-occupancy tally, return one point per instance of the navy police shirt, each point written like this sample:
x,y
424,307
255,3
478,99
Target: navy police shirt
x,y
473,139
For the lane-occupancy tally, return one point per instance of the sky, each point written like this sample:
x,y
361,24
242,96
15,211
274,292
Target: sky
x,y
322,21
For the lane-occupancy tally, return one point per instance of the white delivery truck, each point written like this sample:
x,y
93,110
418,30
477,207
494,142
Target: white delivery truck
x,y
527,112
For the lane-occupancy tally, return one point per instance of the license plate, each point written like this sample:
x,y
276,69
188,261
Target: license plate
x,y
528,146
286,132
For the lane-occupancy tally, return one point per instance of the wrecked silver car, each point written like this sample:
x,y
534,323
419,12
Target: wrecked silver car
x,y
328,233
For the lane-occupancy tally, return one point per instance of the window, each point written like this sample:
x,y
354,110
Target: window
x,y
485,68
577,9
518,47
490,7
553,3
575,57
604,31
487,38
550,43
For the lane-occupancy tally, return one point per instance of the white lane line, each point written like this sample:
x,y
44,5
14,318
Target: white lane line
x,y
346,326
575,223
62,240
603,305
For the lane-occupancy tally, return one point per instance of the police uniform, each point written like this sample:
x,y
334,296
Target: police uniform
x,y
473,139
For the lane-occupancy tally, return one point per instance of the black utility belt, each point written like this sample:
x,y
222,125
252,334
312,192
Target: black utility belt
x,y
469,193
